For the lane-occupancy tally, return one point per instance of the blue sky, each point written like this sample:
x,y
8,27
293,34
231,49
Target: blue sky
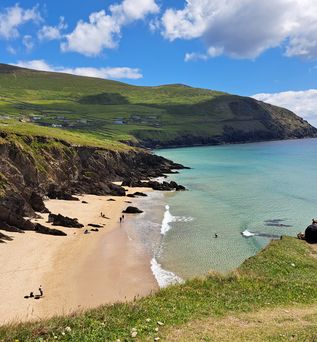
x,y
247,47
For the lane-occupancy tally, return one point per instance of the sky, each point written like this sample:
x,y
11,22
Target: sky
x,y
265,49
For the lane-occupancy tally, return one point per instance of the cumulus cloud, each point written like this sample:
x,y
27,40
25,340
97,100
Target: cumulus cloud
x,y
245,28
11,18
103,30
107,73
303,103
52,32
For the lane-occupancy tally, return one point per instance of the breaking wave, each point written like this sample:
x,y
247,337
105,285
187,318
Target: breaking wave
x,y
169,218
163,277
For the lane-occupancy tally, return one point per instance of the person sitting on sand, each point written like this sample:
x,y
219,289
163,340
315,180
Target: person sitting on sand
x,y
31,295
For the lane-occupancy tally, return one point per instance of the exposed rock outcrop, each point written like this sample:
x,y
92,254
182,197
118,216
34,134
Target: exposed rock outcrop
x,y
49,231
64,221
155,185
132,210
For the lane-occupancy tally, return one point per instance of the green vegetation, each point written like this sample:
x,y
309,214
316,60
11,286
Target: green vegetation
x,y
73,137
114,111
281,277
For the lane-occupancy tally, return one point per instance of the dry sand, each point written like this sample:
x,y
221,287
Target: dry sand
x,y
77,271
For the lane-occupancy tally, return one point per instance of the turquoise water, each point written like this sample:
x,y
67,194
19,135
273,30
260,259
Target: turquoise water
x,y
234,188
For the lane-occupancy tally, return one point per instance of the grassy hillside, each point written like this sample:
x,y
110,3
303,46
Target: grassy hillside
x,y
152,115
272,296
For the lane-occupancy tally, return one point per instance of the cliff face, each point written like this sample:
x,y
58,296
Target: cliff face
x,y
244,120
33,167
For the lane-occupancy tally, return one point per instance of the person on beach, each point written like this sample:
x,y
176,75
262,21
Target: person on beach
x,y
41,291
120,219
216,235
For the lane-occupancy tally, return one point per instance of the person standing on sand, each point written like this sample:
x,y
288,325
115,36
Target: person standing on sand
x,y
41,291
120,219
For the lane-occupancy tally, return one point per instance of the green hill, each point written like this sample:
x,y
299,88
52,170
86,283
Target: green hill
x,y
151,116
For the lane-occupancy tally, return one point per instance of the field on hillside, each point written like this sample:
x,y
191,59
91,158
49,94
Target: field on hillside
x,y
107,109
120,112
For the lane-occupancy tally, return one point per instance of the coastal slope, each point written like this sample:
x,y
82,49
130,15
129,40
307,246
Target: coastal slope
x,y
157,116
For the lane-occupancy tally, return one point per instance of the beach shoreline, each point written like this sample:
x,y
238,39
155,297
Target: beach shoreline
x,y
79,271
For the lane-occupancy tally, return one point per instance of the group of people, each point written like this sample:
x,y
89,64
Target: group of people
x,y
121,218
36,296
102,215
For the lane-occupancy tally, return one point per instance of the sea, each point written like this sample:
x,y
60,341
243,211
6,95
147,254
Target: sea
x,y
239,198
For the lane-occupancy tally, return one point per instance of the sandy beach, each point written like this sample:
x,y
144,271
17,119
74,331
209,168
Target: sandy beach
x,y
78,271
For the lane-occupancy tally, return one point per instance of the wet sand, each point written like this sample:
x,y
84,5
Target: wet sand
x,y
78,271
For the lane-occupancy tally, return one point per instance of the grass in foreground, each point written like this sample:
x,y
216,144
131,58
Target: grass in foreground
x,y
284,274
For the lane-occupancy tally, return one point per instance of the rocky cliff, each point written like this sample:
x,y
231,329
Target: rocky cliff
x,y
34,167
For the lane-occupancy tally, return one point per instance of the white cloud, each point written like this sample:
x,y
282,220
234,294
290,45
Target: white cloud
x,y
107,73
303,103
52,32
104,30
245,28
211,52
27,41
11,18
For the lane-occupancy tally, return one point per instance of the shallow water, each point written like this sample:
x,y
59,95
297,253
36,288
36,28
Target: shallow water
x,y
263,189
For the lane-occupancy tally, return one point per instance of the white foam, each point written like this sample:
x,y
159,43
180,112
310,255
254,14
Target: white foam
x,y
159,179
246,233
169,218
164,278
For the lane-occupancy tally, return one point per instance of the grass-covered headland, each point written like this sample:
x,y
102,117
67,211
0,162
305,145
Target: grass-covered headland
x,y
270,297
167,115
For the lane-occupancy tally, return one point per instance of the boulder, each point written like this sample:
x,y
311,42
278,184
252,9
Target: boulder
x,y
141,194
37,204
132,210
311,233
64,221
49,231
116,190
61,194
